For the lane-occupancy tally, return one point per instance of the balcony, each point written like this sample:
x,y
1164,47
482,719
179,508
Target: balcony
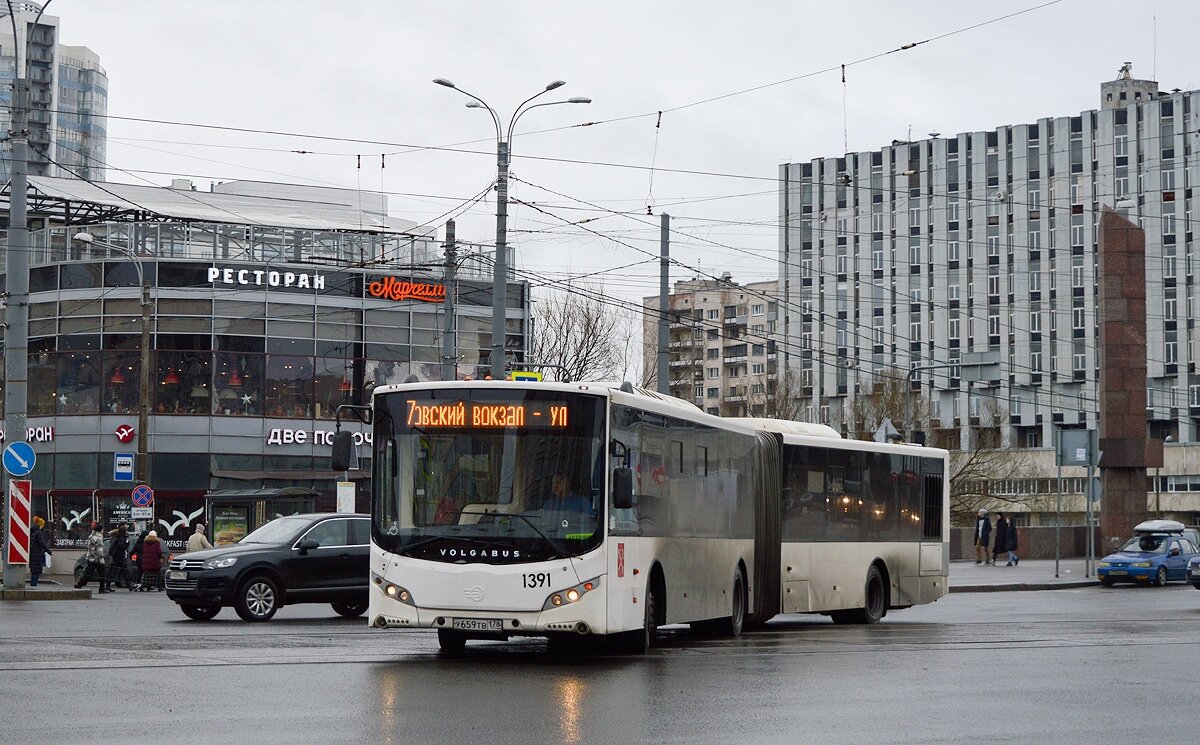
x,y
736,359
690,362
686,344
738,399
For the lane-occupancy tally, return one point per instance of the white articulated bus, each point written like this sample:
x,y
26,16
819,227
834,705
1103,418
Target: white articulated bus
x,y
505,509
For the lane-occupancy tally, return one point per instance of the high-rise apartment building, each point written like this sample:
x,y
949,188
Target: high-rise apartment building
x,y
68,98
896,263
722,357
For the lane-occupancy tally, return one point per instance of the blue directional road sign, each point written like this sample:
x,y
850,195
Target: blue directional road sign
x,y
19,459
122,466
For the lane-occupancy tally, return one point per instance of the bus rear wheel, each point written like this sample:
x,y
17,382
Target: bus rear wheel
x,y
732,626
874,603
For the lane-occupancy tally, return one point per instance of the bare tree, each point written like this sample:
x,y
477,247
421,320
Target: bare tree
x,y
780,398
977,470
648,378
582,335
885,398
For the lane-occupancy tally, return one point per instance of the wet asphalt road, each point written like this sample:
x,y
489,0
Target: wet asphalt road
x,y
1068,666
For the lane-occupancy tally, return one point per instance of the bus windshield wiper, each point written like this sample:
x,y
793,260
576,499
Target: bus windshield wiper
x,y
558,548
454,533
417,544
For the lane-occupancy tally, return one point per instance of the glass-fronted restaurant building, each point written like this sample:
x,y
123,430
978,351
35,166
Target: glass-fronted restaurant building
x,y
259,330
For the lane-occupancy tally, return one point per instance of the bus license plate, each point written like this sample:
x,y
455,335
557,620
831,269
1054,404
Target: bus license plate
x,y
478,624
177,575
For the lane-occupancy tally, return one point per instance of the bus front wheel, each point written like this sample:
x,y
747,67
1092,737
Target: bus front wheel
x,y
640,641
732,626
451,641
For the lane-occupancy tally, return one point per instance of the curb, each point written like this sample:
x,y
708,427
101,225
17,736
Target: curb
x,y
31,593
1026,586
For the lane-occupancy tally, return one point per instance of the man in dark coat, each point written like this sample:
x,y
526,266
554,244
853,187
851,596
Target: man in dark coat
x,y
39,548
983,533
1000,544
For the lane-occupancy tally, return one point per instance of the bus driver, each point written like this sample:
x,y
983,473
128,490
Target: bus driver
x,y
563,499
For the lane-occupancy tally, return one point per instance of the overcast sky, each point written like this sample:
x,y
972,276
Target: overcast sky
x,y
362,71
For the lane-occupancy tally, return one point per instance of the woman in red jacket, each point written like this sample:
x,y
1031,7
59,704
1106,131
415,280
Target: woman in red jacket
x,y
151,561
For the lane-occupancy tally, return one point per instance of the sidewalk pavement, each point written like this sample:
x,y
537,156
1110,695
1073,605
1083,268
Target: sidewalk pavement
x,y
50,587
1032,574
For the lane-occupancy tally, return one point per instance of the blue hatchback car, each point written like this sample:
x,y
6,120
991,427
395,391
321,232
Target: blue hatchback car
x,y
1157,553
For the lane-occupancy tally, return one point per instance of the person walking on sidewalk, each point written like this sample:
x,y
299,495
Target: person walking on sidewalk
x,y
39,549
152,552
95,561
983,533
118,555
198,541
1010,544
1000,531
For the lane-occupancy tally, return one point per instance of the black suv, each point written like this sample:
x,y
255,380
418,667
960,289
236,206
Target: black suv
x,y
319,558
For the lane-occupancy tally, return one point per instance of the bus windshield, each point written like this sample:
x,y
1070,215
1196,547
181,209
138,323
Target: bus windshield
x,y
494,476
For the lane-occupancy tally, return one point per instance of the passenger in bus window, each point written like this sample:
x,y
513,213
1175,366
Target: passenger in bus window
x,y
563,498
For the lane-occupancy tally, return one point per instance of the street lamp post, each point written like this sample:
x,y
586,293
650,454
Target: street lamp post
x,y
503,154
144,382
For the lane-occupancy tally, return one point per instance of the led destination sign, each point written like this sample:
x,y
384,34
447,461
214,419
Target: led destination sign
x,y
477,415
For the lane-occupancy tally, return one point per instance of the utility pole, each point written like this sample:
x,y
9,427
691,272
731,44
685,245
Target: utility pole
x,y
664,279
143,434
500,275
16,346
449,347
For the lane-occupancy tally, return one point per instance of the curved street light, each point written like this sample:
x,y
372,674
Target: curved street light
x,y
503,155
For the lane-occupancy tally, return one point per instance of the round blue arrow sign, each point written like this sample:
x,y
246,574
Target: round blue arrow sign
x,y
19,458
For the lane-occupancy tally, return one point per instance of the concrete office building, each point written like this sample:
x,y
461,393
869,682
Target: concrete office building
x,y
920,252
266,314
721,356
68,98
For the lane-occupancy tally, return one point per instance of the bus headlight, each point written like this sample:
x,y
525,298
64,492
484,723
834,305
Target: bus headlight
x,y
571,594
393,591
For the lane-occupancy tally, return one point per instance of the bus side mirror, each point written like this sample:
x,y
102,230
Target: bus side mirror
x,y
343,450
622,488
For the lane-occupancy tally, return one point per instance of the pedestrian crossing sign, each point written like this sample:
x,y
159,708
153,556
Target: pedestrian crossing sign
x,y
526,375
